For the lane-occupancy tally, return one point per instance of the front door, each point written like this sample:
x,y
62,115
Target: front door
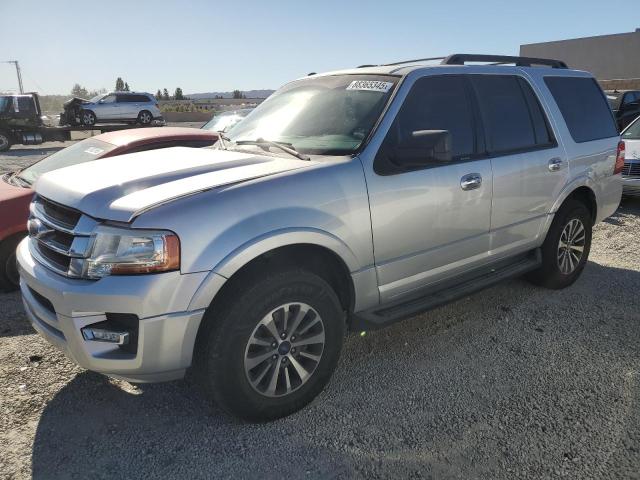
x,y
433,222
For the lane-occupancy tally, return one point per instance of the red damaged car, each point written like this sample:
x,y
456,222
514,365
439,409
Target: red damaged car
x,y
16,192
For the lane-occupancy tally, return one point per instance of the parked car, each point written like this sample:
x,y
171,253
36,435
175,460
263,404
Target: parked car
x,y
350,199
625,106
226,120
631,170
16,188
129,107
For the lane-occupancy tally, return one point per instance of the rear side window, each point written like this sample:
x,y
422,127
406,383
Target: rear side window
x,y
584,108
512,116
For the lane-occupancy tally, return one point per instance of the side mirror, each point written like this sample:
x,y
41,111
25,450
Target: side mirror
x,y
100,101
423,147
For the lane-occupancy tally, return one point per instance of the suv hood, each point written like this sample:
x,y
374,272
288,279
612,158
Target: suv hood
x,y
120,188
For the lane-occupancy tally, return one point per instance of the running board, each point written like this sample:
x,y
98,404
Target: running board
x,y
446,292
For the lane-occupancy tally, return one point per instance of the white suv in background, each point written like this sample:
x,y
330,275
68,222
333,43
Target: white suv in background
x,y
121,107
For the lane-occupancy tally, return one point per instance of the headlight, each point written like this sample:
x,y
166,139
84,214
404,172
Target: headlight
x,y
118,251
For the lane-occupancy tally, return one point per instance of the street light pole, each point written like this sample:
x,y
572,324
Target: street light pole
x,y
15,62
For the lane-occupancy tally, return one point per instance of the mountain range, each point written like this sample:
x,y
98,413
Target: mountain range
x,y
247,93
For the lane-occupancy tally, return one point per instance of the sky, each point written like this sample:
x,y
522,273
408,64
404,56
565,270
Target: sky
x,y
204,46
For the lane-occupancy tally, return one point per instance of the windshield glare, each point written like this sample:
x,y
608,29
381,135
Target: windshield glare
x,y
329,115
81,152
97,98
632,132
226,120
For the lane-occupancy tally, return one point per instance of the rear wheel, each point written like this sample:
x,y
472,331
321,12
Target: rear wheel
x,y
88,118
9,278
272,345
145,117
5,141
566,249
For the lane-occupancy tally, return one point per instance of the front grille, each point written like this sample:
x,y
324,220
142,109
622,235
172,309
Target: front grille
x,y
64,215
631,169
59,236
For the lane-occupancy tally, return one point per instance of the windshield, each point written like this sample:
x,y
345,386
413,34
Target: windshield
x,y
3,103
226,120
97,98
81,152
632,132
329,115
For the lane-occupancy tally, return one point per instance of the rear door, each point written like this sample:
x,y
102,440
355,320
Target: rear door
x,y
529,167
126,106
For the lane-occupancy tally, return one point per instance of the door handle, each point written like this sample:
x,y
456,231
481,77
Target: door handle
x,y
471,181
555,164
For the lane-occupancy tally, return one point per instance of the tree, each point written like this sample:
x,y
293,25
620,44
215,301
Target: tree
x,y
158,95
178,94
165,94
126,87
79,91
238,94
119,85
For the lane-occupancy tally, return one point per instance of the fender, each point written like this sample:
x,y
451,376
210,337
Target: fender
x,y
264,243
584,180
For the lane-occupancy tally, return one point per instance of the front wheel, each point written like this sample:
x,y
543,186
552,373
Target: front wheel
x,y
5,141
88,118
9,278
273,345
566,249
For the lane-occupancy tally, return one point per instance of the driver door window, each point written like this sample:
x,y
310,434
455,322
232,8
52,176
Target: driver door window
x,y
434,103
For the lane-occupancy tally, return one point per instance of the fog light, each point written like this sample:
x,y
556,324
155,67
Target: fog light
x,y
102,335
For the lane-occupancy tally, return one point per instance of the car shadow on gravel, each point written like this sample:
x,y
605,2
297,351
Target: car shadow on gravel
x,y
13,321
516,377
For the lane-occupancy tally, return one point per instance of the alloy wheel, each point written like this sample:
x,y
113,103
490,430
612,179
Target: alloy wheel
x,y
284,349
571,246
145,118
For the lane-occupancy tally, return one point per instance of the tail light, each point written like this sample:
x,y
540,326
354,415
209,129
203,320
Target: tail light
x,y
619,159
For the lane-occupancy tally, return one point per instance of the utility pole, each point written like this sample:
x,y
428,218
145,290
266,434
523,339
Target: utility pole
x,y
15,62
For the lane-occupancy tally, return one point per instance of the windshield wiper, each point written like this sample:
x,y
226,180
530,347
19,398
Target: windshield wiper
x,y
223,139
22,182
285,147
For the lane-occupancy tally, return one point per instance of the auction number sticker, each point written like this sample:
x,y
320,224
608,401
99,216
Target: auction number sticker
x,y
370,85
94,150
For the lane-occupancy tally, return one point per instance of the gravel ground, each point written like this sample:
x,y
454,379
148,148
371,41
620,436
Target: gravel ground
x,y
513,382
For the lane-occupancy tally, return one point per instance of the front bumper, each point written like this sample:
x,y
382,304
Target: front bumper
x,y
631,186
59,307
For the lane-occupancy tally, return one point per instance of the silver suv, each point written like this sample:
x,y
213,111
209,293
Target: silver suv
x,y
130,107
347,200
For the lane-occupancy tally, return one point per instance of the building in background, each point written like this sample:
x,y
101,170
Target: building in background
x,y
613,59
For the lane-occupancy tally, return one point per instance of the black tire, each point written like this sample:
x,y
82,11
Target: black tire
x,y
5,141
550,274
145,117
9,279
88,118
229,326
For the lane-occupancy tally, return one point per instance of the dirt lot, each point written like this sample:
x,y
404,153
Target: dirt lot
x,y
513,382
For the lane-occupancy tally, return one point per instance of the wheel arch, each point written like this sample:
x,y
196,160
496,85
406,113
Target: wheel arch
x,y
322,254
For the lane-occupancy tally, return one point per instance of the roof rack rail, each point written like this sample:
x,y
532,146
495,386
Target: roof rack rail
x,y
411,61
461,58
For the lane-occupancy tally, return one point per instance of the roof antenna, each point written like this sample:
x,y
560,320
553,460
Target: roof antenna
x,y
312,73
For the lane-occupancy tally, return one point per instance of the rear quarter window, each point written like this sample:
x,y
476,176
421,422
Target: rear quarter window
x,y
584,108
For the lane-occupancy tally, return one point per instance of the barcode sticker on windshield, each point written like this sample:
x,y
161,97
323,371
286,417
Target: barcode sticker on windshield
x,y
94,150
370,85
